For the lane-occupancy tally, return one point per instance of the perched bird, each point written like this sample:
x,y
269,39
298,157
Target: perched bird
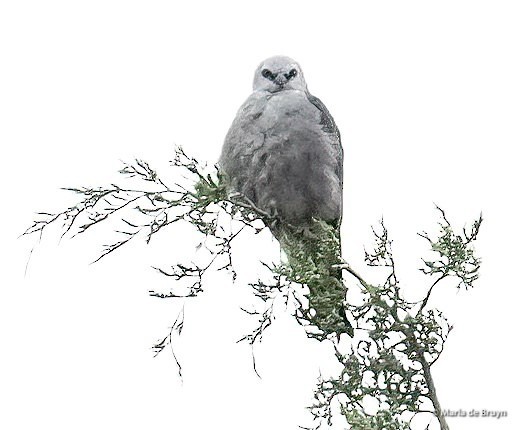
x,y
283,152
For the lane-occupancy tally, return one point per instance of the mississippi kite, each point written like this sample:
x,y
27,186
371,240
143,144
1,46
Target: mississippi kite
x,y
283,152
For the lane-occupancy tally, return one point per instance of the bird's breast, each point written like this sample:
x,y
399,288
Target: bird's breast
x,y
284,112
278,155
292,164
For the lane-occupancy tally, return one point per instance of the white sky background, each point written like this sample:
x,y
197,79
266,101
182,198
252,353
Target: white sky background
x,y
426,97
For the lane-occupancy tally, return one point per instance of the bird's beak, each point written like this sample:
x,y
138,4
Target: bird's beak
x,y
280,80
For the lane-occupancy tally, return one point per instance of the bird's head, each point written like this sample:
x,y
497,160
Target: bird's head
x,y
277,74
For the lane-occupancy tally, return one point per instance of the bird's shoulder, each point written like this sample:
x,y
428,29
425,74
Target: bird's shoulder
x,y
254,105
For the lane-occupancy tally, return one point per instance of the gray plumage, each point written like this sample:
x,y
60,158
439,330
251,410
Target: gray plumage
x,y
283,149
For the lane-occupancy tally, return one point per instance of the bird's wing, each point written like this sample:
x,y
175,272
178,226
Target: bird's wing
x,y
327,120
329,126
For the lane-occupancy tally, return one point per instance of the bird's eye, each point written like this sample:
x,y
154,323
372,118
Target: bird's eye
x,y
291,74
266,73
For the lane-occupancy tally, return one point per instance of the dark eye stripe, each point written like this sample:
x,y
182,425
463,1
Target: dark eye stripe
x,y
291,74
266,73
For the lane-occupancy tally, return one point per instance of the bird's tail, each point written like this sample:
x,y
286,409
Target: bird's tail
x,y
313,253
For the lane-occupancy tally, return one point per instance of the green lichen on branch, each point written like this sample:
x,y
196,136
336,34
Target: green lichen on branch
x,y
388,365
454,254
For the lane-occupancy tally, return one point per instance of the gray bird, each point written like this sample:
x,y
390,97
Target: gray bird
x,y
283,149
283,152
